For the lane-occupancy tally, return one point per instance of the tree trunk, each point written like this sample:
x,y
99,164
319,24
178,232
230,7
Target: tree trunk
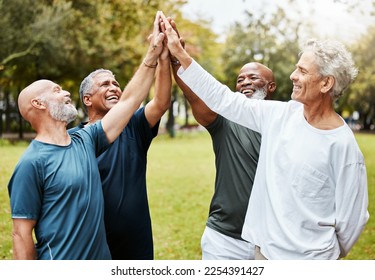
x,y
171,120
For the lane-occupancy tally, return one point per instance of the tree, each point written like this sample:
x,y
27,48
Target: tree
x,y
361,97
26,26
268,37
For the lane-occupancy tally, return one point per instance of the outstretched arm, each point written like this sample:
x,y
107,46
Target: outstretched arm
x,y
156,108
204,115
218,97
137,89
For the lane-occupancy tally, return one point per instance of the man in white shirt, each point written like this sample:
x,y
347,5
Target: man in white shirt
x,y
309,199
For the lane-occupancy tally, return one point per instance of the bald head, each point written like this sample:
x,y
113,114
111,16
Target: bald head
x,y
45,100
253,77
31,93
259,68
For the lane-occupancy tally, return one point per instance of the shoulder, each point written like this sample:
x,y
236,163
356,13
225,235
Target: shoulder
x,y
76,128
89,130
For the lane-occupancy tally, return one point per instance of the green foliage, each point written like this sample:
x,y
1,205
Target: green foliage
x,y
362,94
9,155
180,182
64,40
270,38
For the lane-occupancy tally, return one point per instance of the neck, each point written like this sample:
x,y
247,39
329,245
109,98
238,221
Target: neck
x,y
322,117
55,133
93,118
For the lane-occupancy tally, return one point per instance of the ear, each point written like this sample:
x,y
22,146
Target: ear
x,y
327,84
87,100
38,104
271,87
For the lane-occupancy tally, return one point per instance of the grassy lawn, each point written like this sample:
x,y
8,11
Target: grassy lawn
x,y
180,185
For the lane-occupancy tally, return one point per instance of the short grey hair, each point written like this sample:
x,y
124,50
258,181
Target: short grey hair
x,y
333,59
88,83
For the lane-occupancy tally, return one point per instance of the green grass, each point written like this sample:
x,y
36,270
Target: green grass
x,y
9,155
180,185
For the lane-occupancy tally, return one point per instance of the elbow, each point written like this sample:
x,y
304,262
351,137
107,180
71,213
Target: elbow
x,y
163,105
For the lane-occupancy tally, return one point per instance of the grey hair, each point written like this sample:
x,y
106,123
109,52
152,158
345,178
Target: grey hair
x,y
88,83
333,59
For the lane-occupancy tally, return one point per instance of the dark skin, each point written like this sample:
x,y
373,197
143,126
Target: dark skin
x,y
252,76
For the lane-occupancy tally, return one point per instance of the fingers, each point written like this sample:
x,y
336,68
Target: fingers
x,y
162,26
156,30
165,21
168,26
149,38
174,26
157,37
182,41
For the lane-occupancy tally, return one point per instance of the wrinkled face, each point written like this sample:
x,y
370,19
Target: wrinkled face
x,y
252,82
62,112
306,79
105,93
59,104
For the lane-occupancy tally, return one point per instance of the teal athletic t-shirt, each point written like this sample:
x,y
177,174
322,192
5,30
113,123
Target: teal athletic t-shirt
x,y
60,188
122,169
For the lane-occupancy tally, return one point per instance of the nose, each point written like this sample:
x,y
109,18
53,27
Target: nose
x,y
67,93
293,76
114,88
247,81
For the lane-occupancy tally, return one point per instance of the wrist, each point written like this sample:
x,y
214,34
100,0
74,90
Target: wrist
x,y
150,63
175,62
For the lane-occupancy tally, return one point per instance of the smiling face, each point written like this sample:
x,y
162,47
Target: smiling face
x,y
104,94
255,81
307,81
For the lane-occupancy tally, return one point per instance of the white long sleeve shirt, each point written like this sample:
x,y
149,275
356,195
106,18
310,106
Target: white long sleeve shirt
x,y
309,199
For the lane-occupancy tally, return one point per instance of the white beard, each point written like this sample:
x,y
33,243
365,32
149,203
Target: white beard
x,y
62,112
259,94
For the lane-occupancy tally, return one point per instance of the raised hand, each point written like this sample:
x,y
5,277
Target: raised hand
x,y
168,26
156,43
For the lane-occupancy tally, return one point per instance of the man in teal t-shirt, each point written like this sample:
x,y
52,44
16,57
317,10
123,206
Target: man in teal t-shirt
x,y
123,166
63,201
55,189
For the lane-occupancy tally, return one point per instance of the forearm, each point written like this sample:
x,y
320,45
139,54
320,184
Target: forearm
x,y
163,85
23,246
219,98
182,56
139,86
137,89
134,94
201,112
216,96
160,103
352,194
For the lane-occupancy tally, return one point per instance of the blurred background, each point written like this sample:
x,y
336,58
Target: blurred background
x,y
64,40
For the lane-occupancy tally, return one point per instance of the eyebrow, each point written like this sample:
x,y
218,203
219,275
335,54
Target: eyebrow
x,y
301,68
109,81
251,75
